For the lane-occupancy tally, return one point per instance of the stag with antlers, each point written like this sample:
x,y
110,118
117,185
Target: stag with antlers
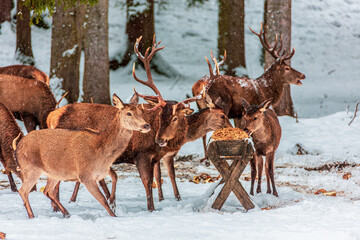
x,y
230,90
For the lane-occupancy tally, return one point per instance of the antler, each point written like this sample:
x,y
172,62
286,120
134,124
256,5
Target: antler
x,y
150,83
273,51
186,102
216,72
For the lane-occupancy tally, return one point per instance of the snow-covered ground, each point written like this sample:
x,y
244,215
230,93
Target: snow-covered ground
x,y
327,38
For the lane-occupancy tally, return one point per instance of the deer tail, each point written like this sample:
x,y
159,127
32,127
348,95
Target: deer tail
x,y
14,144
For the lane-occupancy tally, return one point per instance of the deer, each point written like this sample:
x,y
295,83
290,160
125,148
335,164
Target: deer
x,y
199,123
143,149
9,130
263,126
231,90
26,71
28,100
76,155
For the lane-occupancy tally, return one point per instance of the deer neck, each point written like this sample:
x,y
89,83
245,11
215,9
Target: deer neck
x,y
198,125
272,84
114,139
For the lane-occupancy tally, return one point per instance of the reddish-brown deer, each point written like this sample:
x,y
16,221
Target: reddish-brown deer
x,y
28,100
264,128
269,85
9,130
76,155
26,71
199,123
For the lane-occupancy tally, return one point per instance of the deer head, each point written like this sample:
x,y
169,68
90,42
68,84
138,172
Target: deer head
x,y
254,115
216,118
281,68
130,115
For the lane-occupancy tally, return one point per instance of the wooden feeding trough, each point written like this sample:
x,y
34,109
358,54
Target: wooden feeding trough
x,y
239,152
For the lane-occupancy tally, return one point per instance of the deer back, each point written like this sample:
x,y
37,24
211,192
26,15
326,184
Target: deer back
x,y
26,96
25,71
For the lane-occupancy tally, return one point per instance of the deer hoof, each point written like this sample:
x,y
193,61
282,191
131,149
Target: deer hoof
x,y
178,198
112,206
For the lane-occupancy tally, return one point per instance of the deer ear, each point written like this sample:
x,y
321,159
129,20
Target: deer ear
x,y
265,105
245,104
117,102
151,102
208,101
218,102
134,99
187,111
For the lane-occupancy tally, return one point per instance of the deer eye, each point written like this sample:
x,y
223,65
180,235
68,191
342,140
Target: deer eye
x,y
255,118
129,114
287,68
175,119
222,116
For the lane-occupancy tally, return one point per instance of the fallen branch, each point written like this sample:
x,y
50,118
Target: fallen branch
x,y
354,113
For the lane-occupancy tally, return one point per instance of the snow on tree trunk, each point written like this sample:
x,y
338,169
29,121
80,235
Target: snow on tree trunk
x,y
231,36
66,47
96,74
24,52
5,10
140,22
277,18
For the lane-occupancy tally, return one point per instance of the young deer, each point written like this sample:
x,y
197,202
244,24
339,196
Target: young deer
x,y
26,71
199,123
9,130
269,85
265,130
30,101
76,155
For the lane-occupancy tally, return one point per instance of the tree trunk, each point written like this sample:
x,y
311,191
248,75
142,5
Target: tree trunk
x,y
140,22
277,19
96,75
24,52
66,44
5,10
231,35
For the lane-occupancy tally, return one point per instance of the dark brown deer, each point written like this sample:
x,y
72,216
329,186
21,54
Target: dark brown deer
x,y
231,90
28,100
76,155
9,130
199,123
26,71
264,128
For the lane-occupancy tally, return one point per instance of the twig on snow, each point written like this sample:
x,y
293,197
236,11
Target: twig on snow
x,y
354,113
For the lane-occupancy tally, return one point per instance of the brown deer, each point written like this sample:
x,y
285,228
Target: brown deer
x,y
28,100
76,155
9,130
199,123
264,128
26,71
231,90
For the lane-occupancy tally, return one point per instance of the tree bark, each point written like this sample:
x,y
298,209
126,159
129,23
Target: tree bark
x,y
277,19
5,10
231,35
66,44
24,52
96,75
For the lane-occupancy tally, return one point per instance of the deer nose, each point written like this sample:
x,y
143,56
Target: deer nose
x,y
303,76
147,127
161,142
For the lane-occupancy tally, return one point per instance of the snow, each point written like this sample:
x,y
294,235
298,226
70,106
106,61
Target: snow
x,y
326,43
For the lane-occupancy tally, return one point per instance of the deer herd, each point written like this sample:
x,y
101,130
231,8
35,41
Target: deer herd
x,y
81,141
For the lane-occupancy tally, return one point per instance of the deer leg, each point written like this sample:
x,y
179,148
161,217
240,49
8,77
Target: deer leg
x,y
205,152
105,188
75,192
146,174
11,181
253,173
54,206
259,163
5,155
52,192
169,164
29,122
28,183
270,173
93,188
114,179
157,174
